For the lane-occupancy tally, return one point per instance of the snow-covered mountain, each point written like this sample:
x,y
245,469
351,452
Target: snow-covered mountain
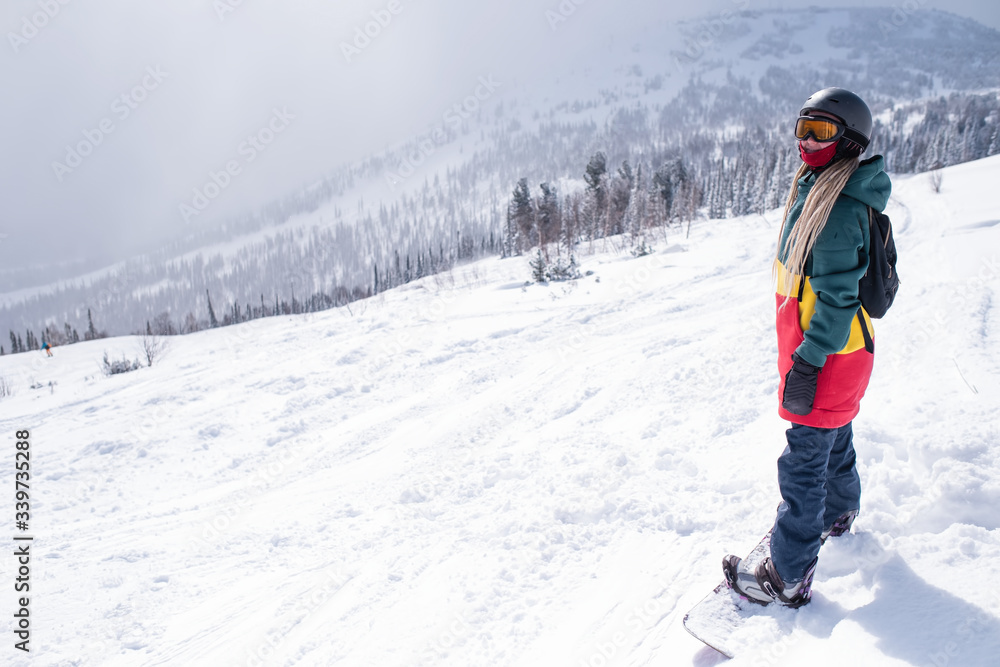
x,y
468,470
716,91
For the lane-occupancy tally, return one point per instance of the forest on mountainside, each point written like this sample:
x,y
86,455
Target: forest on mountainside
x,y
577,170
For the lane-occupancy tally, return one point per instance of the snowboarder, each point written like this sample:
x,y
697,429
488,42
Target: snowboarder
x,y
825,342
47,348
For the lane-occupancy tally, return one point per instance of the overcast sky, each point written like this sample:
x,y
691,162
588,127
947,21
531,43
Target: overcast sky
x,y
115,111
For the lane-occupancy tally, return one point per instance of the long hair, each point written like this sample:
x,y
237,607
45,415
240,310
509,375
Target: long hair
x,y
815,212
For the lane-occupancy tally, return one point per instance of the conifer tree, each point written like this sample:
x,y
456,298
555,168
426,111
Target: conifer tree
x,y
212,321
635,219
621,194
538,268
596,203
522,214
91,331
548,218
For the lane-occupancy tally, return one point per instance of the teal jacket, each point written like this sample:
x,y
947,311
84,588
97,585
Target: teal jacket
x,y
838,261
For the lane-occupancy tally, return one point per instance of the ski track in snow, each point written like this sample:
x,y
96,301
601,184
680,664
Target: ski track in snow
x,y
470,471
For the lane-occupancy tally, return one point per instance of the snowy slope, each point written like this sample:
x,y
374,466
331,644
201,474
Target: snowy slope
x,y
468,471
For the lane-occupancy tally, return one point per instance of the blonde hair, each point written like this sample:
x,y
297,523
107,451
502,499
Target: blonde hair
x,y
815,212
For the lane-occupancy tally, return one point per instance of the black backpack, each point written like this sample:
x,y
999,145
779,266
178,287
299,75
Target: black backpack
x,y
878,287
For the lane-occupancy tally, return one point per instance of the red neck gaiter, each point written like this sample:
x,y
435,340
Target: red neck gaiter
x,y
821,157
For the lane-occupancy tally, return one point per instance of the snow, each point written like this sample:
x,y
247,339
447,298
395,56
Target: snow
x,y
471,471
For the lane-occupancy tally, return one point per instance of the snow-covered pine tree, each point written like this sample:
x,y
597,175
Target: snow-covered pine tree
x,y
778,183
521,214
622,184
548,218
595,208
635,218
571,221
539,267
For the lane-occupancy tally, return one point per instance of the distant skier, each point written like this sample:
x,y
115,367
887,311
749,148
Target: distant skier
x,y
47,348
825,342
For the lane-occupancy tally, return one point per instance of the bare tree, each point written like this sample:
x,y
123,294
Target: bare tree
x,y
936,177
162,326
153,347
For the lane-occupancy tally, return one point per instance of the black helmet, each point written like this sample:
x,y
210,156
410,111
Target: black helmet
x,y
846,106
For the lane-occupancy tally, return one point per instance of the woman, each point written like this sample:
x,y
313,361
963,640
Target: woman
x,y
825,342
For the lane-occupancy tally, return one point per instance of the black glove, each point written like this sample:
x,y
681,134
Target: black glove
x,y
800,386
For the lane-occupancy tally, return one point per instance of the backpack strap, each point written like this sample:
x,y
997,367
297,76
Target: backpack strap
x,y
871,235
869,341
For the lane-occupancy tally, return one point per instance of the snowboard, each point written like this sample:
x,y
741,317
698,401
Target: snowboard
x,y
718,618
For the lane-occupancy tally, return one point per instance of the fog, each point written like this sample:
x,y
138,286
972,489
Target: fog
x,y
116,112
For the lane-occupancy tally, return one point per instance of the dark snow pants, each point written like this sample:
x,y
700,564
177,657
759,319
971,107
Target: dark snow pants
x,y
819,482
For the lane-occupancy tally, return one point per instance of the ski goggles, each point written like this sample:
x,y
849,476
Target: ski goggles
x,y
820,128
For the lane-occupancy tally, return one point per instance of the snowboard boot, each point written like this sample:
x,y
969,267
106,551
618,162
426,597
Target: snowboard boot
x,y
840,526
763,586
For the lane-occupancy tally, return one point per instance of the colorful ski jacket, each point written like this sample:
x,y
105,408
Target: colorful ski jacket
x,y
817,317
